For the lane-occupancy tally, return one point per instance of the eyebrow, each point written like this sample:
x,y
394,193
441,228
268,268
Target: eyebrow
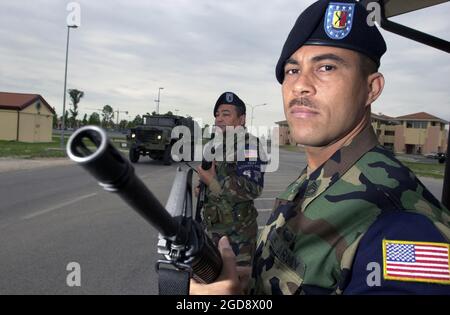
x,y
291,61
329,57
223,111
319,58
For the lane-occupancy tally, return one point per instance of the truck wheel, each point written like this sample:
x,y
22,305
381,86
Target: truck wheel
x,y
134,155
167,156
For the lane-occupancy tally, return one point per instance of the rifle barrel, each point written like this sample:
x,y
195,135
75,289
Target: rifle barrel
x,y
89,146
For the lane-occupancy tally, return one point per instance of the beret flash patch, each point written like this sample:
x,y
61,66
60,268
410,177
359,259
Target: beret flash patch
x,y
339,20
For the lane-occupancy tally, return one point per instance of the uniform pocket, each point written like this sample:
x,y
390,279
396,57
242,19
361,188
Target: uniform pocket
x,y
211,216
285,280
288,271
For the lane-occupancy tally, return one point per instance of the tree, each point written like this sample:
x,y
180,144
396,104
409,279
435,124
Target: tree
x,y
55,119
75,97
66,119
123,124
94,119
206,127
85,121
136,122
169,113
108,116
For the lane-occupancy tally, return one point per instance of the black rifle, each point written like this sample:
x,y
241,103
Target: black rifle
x,y
182,240
206,165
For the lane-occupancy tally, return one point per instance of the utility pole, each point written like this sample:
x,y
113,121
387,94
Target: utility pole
x,y
251,118
158,100
118,111
63,122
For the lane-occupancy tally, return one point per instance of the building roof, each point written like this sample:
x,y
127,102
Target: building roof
x,y
383,117
422,116
20,101
416,116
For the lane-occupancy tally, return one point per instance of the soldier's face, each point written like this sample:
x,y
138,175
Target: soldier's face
x,y
324,93
227,115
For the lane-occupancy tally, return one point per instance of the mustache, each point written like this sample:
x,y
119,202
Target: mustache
x,y
302,101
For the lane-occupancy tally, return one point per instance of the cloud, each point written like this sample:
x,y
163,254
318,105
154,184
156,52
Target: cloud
x,y
125,50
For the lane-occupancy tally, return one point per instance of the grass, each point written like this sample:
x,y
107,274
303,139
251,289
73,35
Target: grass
x,y
426,169
23,150
14,149
433,170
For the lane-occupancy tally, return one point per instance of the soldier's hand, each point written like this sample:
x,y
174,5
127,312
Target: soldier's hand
x,y
197,191
207,176
228,282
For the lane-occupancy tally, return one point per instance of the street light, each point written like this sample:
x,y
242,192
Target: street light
x,y
159,99
118,111
63,124
253,107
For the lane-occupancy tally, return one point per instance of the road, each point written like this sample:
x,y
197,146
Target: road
x,y
50,217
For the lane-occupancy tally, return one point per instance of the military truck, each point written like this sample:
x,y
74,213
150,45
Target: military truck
x,y
153,138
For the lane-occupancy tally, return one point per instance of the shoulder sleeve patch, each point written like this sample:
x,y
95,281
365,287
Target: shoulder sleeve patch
x,y
252,171
401,253
416,261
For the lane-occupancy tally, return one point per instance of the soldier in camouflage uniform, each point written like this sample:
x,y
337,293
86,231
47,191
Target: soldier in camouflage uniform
x,y
356,221
233,183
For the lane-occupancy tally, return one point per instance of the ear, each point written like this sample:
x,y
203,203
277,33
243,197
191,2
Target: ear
x,y
242,120
375,83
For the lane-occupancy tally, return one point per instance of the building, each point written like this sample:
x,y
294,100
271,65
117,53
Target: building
x,y
285,134
25,118
385,128
419,133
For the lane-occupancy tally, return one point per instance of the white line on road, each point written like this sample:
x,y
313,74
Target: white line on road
x,y
61,205
264,210
265,198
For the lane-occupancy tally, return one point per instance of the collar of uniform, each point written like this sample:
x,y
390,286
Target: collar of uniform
x,y
347,156
331,170
338,164
294,188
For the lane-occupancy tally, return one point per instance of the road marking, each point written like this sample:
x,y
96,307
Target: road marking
x,y
277,190
61,205
264,210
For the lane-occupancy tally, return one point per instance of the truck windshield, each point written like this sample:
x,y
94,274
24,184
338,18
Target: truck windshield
x,y
155,121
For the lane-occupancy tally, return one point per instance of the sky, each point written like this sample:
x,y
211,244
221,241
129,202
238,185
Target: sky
x,y
125,50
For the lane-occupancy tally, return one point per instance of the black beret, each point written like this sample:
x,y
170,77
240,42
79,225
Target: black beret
x,y
333,23
231,99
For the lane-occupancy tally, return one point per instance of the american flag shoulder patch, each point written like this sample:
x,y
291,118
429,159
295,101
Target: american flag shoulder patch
x,y
251,154
416,261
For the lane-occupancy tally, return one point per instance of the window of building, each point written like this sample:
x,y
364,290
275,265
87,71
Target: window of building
x,y
389,133
417,124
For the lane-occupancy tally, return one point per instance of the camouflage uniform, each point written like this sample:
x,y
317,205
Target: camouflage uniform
x,y
330,224
229,208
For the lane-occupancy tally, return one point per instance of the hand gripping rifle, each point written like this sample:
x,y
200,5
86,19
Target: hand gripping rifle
x,y
201,199
182,241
